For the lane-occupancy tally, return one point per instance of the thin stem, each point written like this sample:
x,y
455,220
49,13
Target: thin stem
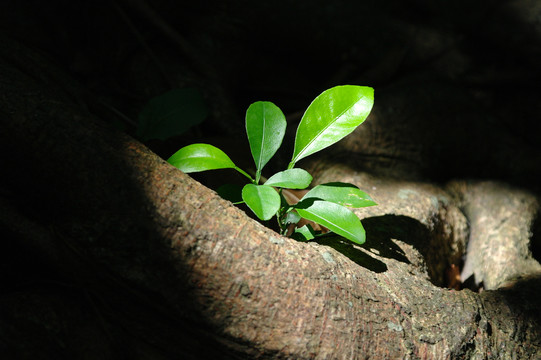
x,y
291,165
280,214
280,218
245,174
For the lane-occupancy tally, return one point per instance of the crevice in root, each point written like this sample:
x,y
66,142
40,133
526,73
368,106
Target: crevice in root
x,y
535,241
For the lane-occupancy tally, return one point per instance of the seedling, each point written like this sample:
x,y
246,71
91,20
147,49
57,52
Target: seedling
x,y
330,117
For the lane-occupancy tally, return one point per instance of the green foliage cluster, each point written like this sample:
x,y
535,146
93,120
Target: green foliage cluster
x,y
330,117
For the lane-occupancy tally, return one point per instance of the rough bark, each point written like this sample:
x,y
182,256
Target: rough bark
x,y
154,265
501,221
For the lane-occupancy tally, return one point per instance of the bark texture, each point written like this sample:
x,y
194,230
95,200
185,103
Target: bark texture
x,y
155,265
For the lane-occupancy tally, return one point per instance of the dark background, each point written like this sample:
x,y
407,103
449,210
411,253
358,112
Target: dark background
x,y
457,83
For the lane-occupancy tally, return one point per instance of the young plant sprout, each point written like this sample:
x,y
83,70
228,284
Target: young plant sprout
x,y
332,115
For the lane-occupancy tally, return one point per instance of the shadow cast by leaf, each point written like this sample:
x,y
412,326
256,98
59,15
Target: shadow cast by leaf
x,y
381,230
351,251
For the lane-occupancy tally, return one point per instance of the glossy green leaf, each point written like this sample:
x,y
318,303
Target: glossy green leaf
x,y
200,157
334,217
290,179
341,193
265,127
330,117
304,233
263,200
171,114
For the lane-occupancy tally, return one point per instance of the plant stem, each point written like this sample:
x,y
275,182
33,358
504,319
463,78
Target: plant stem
x,y
245,174
280,218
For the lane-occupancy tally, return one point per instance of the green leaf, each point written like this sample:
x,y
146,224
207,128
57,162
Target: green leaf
x,y
341,193
333,216
330,117
171,114
290,179
304,233
200,157
291,217
263,200
265,127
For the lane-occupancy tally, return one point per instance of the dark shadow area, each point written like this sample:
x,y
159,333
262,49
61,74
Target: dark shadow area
x,y
80,308
358,256
456,93
383,230
382,233
75,265
535,241
55,311
472,284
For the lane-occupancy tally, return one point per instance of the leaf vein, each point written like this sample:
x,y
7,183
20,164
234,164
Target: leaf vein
x,y
324,129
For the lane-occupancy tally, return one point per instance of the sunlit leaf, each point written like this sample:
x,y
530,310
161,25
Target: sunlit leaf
x,y
171,114
334,217
263,200
304,233
290,179
330,117
341,193
200,157
265,127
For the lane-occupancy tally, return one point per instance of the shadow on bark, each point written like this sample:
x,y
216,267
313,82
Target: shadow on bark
x,y
383,232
